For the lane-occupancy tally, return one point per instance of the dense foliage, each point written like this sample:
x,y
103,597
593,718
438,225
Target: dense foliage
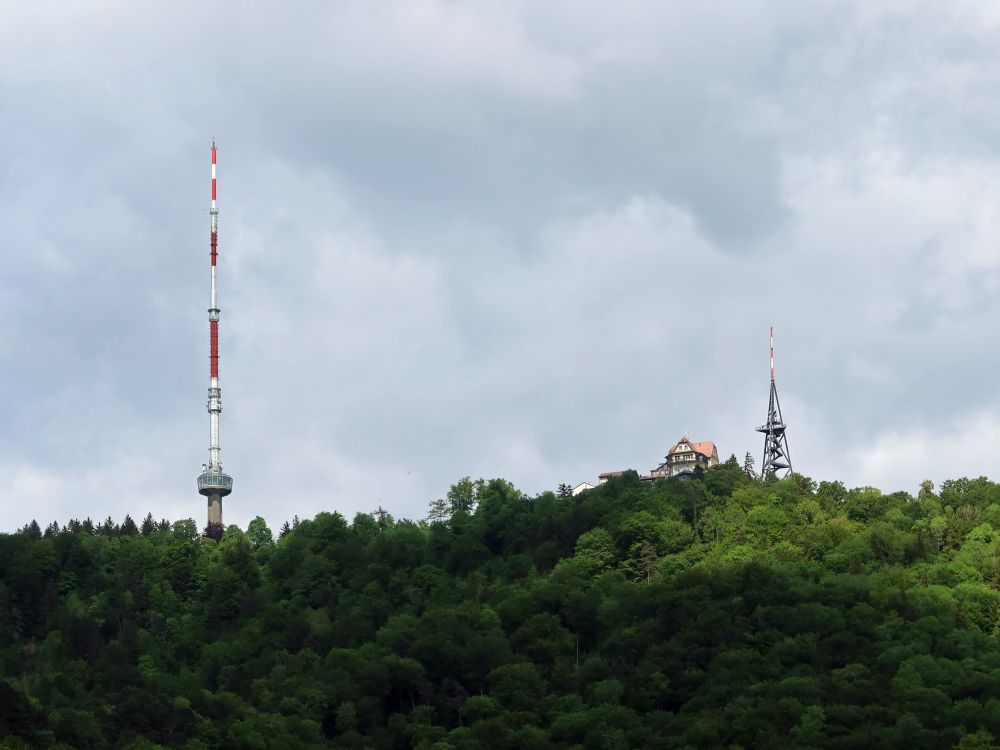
x,y
708,613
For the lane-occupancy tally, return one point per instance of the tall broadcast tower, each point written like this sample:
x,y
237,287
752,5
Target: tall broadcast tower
x,y
776,458
213,483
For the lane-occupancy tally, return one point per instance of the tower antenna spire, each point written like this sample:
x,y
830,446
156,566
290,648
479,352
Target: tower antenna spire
x,y
776,457
213,483
772,354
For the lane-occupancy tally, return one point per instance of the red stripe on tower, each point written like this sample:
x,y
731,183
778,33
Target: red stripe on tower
x,y
213,335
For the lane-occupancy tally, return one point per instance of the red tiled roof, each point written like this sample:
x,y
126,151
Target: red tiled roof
x,y
705,448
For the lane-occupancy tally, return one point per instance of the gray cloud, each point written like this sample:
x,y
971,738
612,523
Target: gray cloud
x,y
537,240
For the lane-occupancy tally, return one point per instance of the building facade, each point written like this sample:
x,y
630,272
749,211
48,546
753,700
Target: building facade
x,y
684,457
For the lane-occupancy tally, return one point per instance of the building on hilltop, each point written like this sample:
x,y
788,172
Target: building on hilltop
x,y
682,460
582,487
608,475
684,457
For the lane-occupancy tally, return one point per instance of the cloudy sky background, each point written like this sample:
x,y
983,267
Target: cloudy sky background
x,y
536,240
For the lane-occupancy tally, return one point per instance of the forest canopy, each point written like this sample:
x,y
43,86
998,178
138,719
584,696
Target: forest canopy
x,y
714,612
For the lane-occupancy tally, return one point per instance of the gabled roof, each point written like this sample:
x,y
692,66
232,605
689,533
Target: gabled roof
x,y
676,447
705,448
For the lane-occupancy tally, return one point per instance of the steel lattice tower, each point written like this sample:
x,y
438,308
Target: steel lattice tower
x,y
776,456
213,483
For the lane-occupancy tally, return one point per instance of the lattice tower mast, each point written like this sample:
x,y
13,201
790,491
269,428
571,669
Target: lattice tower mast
x,y
213,483
776,456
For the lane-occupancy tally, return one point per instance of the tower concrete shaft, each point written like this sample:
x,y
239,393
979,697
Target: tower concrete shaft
x,y
213,483
776,457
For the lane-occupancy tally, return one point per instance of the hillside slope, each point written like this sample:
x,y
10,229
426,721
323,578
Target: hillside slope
x,y
686,614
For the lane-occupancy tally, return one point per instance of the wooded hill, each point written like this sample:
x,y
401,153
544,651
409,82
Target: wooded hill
x,y
710,613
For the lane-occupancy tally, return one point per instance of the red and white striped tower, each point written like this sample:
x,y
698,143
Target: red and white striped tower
x,y
213,483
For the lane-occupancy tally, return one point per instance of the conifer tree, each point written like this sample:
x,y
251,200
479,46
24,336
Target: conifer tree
x,y
439,512
383,517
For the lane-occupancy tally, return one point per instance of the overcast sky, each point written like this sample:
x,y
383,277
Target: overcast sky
x,y
536,240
